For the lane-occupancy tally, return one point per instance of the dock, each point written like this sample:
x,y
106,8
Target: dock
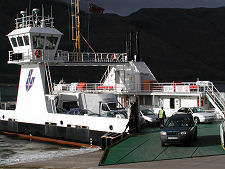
x,y
146,147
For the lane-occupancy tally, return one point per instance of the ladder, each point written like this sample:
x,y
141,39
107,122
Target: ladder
x,y
215,98
48,78
50,87
104,77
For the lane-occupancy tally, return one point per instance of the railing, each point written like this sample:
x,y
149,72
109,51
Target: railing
x,y
33,21
186,87
92,57
215,95
66,57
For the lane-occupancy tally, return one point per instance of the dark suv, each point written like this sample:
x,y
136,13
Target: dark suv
x,y
179,128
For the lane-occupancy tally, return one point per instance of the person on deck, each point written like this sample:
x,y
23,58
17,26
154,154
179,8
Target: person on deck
x,y
161,116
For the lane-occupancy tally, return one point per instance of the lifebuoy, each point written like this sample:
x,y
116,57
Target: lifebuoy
x,y
112,56
38,53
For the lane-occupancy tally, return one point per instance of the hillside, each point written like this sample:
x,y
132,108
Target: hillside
x,y
176,44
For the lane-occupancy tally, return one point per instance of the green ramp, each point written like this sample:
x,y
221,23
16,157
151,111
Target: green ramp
x,y
147,147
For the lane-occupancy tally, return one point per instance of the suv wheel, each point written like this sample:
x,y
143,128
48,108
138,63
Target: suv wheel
x,y
162,144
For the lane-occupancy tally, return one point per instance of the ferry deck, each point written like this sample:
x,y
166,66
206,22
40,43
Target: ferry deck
x,y
146,147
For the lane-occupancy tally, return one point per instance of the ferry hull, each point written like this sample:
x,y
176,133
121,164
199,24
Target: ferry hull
x,y
81,135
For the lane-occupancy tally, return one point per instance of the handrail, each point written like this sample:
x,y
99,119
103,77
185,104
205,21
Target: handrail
x,y
186,87
68,57
212,91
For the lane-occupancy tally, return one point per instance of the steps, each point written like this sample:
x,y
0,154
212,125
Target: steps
x,y
215,98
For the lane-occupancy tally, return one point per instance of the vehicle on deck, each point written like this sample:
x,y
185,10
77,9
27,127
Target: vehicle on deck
x,y
121,114
148,118
199,115
81,112
179,128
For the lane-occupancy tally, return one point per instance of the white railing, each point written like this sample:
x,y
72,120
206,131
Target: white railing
x,y
187,87
216,96
91,57
33,21
67,57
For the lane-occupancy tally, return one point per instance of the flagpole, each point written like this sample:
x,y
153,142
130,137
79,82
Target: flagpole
x,y
88,33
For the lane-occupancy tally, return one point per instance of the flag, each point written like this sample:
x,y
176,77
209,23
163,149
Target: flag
x,y
96,9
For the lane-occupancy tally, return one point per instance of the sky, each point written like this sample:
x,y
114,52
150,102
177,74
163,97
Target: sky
x,y
126,7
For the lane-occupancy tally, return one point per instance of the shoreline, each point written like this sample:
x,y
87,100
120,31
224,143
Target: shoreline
x,y
91,161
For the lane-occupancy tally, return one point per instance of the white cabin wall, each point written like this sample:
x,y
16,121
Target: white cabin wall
x,y
32,101
189,102
179,101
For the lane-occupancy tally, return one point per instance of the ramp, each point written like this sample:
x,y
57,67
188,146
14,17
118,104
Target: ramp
x,y
147,147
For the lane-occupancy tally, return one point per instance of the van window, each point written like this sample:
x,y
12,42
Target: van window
x,y
26,40
70,105
105,107
14,43
20,41
38,42
112,106
51,43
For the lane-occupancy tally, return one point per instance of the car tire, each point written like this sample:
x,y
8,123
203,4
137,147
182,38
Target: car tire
x,y
196,119
163,144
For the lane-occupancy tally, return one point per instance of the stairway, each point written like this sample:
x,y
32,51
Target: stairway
x,y
50,87
48,78
215,98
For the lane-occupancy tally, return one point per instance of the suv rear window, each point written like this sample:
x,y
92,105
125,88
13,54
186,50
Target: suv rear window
x,y
178,122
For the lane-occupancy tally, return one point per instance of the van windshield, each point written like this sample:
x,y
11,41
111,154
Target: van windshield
x,y
112,106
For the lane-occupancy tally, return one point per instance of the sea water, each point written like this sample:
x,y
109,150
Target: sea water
x,y
15,151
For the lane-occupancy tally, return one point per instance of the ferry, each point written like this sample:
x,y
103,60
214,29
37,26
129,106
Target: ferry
x,y
42,107
45,109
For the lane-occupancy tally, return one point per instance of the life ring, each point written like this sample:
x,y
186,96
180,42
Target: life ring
x,y
112,56
38,53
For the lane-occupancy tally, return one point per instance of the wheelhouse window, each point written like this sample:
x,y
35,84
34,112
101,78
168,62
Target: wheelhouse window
x,y
51,43
38,42
26,40
13,41
20,41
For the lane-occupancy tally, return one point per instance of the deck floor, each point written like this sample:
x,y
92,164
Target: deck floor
x,y
147,147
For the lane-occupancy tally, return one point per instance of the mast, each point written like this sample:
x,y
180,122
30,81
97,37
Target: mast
x,y
75,16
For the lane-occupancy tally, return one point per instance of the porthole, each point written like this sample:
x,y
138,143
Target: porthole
x,y
61,122
111,127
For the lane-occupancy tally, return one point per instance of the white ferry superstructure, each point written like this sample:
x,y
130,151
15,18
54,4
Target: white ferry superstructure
x,y
35,42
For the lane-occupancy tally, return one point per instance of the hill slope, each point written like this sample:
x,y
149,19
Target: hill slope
x,y
177,44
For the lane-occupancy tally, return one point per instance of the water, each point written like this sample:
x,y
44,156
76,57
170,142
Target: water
x,y
15,151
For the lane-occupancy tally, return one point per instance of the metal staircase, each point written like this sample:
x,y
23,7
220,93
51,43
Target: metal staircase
x,y
104,77
215,98
50,87
48,78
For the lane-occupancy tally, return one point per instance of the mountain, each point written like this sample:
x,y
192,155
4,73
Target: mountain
x,y
176,44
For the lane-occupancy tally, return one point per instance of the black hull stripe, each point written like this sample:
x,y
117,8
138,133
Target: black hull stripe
x,y
49,131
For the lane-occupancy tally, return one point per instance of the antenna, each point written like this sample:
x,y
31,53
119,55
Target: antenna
x,y
43,17
43,11
29,7
35,11
51,18
51,12
23,13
